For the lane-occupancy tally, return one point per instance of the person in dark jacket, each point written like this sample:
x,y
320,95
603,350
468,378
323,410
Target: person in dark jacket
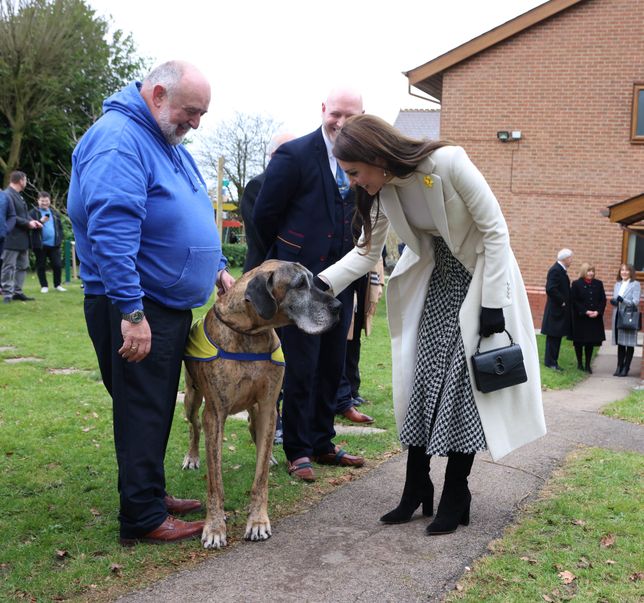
x,y
587,301
556,316
15,256
46,241
7,220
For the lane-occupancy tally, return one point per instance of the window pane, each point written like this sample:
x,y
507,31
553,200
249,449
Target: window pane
x,y
636,251
639,124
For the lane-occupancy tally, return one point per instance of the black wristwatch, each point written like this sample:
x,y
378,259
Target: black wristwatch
x,y
134,317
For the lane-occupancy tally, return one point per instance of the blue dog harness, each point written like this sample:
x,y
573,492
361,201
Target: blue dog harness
x,y
200,347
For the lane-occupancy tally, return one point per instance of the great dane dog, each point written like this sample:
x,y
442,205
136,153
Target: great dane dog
x,y
234,362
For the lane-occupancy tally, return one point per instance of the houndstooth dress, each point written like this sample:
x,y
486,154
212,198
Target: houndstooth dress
x,y
442,415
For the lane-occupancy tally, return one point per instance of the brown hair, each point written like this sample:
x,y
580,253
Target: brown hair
x,y
16,177
631,271
369,139
584,268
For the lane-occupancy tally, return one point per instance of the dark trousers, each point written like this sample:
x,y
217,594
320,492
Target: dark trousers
x,y
314,366
350,383
53,255
553,344
143,399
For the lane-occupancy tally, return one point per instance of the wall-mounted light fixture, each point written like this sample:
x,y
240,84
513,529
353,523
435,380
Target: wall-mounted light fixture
x,y
506,136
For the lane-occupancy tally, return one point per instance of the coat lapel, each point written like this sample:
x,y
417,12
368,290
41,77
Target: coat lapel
x,y
328,179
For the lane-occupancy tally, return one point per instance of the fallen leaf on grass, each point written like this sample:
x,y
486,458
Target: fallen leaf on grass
x,y
547,598
115,568
61,554
567,577
578,522
610,562
636,577
232,448
529,560
607,541
583,563
459,587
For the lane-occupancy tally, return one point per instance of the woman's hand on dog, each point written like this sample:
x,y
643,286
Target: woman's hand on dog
x,y
137,340
225,281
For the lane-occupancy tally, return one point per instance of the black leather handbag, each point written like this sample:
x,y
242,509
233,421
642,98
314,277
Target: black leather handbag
x,y
499,368
627,317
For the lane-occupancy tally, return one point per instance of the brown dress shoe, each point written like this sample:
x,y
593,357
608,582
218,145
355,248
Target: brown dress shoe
x,y
301,468
171,530
355,416
339,457
181,506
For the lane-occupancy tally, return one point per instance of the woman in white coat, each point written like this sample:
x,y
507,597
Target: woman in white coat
x,y
626,292
457,280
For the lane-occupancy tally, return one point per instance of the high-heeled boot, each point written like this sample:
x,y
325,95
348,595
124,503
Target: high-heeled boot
x,y
454,507
418,488
628,357
578,353
621,353
588,350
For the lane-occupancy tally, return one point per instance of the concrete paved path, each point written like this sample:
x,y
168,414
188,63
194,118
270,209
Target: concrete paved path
x,y
338,551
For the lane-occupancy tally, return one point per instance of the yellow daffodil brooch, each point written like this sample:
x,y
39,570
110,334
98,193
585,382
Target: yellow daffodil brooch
x,y
429,182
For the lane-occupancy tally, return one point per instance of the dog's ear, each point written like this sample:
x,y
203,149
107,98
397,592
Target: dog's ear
x,y
259,293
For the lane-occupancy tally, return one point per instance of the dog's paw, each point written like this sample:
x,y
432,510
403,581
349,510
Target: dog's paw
x,y
212,538
190,462
257,531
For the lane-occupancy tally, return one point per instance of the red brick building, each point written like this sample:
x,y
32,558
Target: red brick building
x,y
547,107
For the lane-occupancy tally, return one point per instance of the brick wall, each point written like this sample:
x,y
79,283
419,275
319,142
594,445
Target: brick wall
x,y
567,84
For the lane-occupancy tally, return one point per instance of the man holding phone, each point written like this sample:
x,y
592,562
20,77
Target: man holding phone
x,y
46,242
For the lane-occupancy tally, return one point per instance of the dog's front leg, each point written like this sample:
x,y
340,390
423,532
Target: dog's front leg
x,y
214,531
258,526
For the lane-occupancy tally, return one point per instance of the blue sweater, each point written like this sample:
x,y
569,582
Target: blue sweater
x,y
143,222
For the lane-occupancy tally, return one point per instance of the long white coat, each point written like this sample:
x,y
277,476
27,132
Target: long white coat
x,y
469,219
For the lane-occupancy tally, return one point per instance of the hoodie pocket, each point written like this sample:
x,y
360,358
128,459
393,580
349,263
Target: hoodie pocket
x,y
197,279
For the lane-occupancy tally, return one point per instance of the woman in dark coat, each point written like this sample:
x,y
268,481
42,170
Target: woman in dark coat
x,y
588,301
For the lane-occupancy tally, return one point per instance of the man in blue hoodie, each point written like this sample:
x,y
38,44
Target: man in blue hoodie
x,y
149,250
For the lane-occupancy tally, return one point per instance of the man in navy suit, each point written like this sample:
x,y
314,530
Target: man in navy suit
x,y
303,214
556,315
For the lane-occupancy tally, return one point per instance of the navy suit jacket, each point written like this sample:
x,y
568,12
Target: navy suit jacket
x,y
296,212
255,248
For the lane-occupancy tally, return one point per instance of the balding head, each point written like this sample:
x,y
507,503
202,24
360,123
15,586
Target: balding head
x,y
177,94
341,103
278,140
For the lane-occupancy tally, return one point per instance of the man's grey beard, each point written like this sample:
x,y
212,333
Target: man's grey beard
x,y
169,130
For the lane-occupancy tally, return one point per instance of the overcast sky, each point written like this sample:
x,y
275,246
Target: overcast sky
x,y
280,58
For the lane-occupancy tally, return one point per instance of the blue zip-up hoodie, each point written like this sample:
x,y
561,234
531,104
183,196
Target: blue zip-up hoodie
x,y
142,218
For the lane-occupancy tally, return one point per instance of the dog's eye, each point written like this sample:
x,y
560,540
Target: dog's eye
x,y
301,283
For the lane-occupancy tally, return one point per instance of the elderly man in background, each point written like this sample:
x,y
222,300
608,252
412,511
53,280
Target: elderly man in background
x,y
556,321
149,251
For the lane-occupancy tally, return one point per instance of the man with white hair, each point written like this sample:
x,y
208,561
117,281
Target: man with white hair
x,y
556,316
149,250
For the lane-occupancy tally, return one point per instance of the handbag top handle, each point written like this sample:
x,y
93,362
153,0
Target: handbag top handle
x,y
478,345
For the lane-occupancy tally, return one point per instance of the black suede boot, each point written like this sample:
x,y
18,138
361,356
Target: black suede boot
x,y
578,352
628,357
418,488
621,353
589,356
454,507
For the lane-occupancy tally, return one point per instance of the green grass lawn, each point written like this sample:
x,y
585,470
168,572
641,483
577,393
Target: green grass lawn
x,y
58,526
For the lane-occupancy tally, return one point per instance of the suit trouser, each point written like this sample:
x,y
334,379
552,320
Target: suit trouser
x,y
350,382
551,356
53,253
143,400
14,270
314,366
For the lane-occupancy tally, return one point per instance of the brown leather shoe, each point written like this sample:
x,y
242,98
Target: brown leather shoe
x,y
171,530
339,457
181,506
301,468
355,416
